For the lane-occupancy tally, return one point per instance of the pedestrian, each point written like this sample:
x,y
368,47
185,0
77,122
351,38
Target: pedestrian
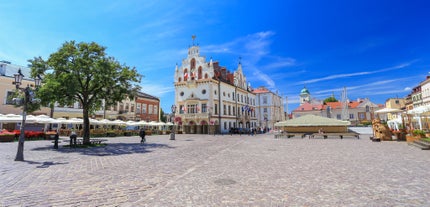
x,y
142,135
56,137
73,138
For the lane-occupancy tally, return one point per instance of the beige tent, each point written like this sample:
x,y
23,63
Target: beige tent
x,y
313,124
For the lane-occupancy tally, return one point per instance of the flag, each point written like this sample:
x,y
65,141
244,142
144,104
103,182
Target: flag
x,y
185,75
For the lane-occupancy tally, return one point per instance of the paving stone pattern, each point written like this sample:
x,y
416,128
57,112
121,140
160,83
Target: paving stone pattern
x,y
207,170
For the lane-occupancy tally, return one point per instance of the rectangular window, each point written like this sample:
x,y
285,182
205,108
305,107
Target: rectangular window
x,y
229,110
264,99
138,108
351,116
204,108
225,110
265,110
216,108
150,109
338,116
181,109
9,96
155,109
192,108
132,108
144,109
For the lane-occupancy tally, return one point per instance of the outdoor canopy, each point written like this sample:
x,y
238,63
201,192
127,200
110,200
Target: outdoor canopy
x,y
312,120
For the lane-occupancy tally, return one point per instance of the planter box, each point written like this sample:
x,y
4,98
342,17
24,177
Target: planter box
x,y
7,138
412,138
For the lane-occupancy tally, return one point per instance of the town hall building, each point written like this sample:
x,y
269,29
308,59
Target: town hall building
x,y
211,99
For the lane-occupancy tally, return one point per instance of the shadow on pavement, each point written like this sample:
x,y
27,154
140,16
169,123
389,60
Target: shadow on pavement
x,y
111,149
45,164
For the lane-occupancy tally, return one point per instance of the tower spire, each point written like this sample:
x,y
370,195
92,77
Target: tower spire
x,y
193,37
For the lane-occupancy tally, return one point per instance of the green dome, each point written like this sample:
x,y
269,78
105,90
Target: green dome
x,y
304,91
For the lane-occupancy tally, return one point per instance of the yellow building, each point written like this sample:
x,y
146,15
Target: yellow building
x,y
394,103
7,88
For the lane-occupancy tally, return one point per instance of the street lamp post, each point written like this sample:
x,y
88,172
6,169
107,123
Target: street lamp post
x,y
29,98
265,119
172,135
209,120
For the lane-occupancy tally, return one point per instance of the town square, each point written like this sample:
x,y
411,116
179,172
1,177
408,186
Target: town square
x,y
214,103
221,170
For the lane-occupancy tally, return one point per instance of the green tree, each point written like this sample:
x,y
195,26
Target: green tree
x,y
82,72
330,99
162,117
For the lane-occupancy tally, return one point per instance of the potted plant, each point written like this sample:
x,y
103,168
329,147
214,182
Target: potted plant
x,y
419,133
6,136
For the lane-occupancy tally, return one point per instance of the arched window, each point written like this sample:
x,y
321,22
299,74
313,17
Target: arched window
x,y
200,72
206,76
185,74
179,79
192,64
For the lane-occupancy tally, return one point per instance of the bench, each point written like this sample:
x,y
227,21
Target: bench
x,y
289,135
341,135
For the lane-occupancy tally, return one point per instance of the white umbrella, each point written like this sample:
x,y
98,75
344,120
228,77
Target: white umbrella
x,y
43,119
94,121
118,122
142,123
131,123
387,110
12,118
153,123
419,110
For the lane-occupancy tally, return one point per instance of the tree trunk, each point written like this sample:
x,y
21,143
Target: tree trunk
x,y
86,134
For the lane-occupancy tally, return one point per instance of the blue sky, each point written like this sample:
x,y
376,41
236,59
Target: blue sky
x,y
376,49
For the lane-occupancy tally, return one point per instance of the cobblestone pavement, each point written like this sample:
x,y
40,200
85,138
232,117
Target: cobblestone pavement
x,y
206,170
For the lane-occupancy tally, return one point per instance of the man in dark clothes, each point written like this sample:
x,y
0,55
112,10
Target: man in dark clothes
x,y
142,135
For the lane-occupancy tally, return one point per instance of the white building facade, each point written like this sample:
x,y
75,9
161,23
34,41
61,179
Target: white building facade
x,y
269,108
209,98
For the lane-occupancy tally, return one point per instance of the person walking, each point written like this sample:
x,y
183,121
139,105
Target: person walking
x,y
142,135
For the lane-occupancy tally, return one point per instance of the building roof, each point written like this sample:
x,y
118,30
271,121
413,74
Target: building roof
x,y
312,120
309,107
9,69
335,105
145,95
304,91
338,105
261,90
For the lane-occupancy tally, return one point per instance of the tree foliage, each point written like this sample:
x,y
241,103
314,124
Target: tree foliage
x,y
162,117
83,73
330,99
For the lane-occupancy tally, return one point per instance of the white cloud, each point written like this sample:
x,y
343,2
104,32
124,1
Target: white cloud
x,y
407,89
330,77
252,49
157,90
265,78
